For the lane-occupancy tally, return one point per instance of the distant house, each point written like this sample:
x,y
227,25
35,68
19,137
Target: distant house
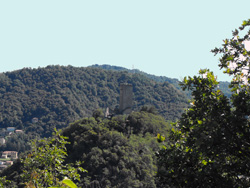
x,y
34,120
2,141
10,154
8,133
3,167
8,163
19,131
10,129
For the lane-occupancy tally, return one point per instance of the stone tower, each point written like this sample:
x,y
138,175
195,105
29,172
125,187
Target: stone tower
x,y
126,98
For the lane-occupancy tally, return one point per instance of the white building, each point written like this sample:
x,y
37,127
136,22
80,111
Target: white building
x,y
10,154
2,141
10,129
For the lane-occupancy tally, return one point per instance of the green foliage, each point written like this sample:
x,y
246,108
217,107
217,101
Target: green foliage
x,y
58,95
3,182
150,109
144,122
118,153
19,142
160,138
175,82
68,183
98,114
115,155
162,79
235,57
44,165
209,146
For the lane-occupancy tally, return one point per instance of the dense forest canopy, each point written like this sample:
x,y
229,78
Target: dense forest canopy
x,y
117,152
58,95
223,85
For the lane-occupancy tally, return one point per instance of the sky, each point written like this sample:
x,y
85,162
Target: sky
x,y
160,37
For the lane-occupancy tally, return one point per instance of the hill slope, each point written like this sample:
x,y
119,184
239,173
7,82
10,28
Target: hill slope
x,y
58,95
223,85
117,153
173,81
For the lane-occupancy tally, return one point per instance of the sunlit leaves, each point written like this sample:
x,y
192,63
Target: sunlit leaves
x,y
235,56
43,166
69,183
245,23
160,138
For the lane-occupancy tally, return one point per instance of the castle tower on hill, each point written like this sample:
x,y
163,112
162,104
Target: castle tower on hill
x,y
126,98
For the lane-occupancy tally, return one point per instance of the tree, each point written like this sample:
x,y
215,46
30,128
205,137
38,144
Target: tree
x,y
210,144
44,165
98,113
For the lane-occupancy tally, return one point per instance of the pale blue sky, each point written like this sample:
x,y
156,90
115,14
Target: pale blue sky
x,y
161,37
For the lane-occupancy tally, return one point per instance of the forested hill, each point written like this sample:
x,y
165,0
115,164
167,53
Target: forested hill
x,y
119,152
173,81
223,84
58,95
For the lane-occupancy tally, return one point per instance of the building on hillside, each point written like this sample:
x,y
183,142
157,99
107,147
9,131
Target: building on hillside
x,y
126,98
19,131
107,112
2,141
10,154
10,129
34,120
3,167
8,163
5,164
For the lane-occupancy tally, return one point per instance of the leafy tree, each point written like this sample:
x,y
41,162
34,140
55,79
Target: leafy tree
x,y
210,145
119,151
145,122
150,109
98,113
44,165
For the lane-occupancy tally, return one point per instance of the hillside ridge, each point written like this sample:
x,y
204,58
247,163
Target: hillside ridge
x,y
58,95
